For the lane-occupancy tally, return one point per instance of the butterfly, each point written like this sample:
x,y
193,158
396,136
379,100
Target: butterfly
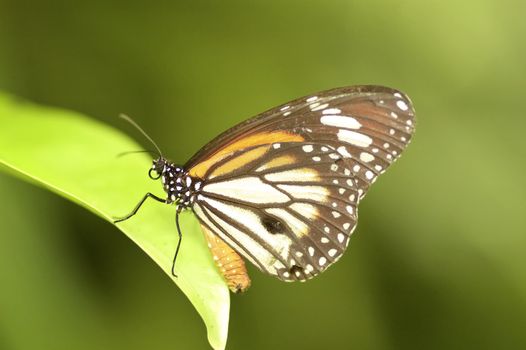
x,y
282,189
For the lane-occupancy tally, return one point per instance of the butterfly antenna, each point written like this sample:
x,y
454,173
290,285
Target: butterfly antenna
x,y
155,153
132,122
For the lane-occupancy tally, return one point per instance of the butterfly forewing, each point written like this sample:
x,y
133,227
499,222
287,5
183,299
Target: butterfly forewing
x,y
282,188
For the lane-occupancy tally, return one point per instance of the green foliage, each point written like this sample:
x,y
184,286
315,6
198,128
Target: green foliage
x,y
76,157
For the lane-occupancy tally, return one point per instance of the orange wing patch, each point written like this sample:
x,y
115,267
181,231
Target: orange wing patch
x,y
277,162
240,161
263,138
229,263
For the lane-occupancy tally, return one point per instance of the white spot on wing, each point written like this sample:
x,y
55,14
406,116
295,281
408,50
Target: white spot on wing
x,y
354,138
366,157
343,151
317,108
307,148
332,111
402,105
340,121
311,251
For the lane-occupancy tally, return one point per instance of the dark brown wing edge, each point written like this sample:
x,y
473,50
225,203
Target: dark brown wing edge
x,y
245,127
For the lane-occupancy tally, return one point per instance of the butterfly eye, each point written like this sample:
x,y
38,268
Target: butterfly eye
x,y
154,174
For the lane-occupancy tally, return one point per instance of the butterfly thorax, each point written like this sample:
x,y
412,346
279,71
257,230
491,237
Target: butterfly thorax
x,y
180,187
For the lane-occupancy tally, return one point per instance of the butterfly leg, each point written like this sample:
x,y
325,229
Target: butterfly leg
x,y
179,241
134,211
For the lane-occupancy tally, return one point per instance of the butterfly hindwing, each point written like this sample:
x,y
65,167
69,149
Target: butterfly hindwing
x,y
292,217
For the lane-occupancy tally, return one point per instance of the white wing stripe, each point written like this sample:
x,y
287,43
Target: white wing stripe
x,y
279,243
247,189
315,193
199,211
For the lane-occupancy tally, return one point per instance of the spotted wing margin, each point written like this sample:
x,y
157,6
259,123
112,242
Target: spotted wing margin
x,y
385,112
289,212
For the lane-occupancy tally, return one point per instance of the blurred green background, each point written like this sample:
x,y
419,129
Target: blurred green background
x,y
438,259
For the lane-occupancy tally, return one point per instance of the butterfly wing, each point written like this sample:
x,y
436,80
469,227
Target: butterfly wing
x,y
388,107
282,189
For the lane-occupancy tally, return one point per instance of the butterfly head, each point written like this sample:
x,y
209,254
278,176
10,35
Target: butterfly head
x,y
163,168
158,168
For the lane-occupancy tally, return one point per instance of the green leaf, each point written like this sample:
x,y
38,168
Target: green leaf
x,y
76,157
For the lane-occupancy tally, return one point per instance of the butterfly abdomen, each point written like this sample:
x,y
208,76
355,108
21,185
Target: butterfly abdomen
x,y
229,263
